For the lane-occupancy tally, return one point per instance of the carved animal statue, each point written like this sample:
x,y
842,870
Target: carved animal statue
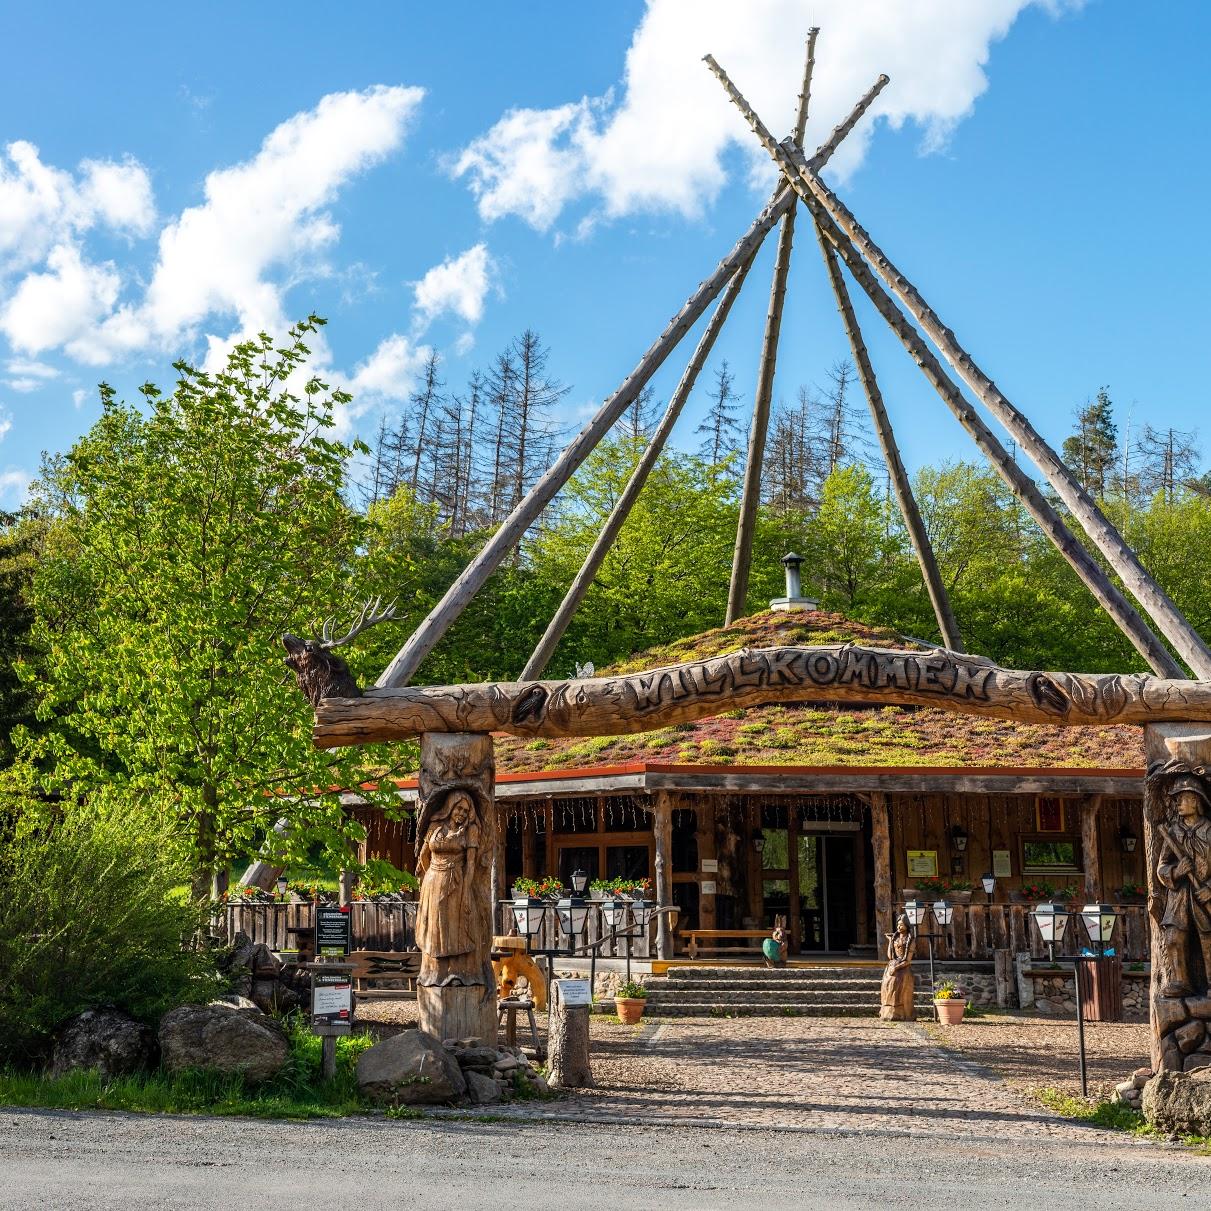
x,y
774,947
512,966
320,671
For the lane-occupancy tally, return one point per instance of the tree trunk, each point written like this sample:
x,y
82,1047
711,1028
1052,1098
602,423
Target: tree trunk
x,y
880,844
568,1064
1090,851
639,702
662,830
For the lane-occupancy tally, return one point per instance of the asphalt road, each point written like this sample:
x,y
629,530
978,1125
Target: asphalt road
x,y
52,1159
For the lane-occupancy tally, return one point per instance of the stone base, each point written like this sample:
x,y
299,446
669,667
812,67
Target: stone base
x,y
1185,1033
457,1011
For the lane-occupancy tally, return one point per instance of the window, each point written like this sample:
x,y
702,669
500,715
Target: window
x,y
1049,815
1051,856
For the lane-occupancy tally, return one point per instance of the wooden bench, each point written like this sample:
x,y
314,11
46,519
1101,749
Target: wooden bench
x,y
696,936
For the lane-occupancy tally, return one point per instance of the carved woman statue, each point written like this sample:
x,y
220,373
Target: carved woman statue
x,y
896,992
454,942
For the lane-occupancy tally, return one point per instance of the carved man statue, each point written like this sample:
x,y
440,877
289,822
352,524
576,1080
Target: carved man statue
x,y
1184,868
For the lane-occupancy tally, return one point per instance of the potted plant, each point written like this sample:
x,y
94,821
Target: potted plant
x,y
950,1003
1132,893
629,1001
1032,893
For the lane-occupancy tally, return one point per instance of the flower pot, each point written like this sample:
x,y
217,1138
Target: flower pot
x,y
958,897
629,1009
950,1010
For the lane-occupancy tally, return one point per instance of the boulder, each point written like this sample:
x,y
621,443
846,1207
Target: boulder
x,y
484,1091
410,1069
223,1038
234,1001
483,1058
105,1039
1179,1102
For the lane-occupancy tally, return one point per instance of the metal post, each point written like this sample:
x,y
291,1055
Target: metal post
x,y
932,983
1080,1023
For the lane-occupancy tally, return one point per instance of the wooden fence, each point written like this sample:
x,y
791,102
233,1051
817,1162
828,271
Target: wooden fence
x,y
386,926
977,930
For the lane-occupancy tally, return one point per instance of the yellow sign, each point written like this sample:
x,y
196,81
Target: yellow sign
x,y
922,863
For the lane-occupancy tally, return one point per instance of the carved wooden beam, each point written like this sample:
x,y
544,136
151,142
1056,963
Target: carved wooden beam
x,y
639,702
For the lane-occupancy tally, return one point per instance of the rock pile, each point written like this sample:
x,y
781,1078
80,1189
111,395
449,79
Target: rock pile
x,y
413,1069
1131,1091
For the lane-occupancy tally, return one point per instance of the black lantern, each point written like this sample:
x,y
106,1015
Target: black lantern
x,y
580,880
1128,840
1099,921
914,910
283,885
758,839
614,912
989,883
528,914
942,912
572,912
958,838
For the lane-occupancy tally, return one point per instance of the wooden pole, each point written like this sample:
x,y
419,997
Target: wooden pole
x,y
422,641
880,845
1173,624
1091,853
847,672
750,500
541,657
1112,600
662,829
947,624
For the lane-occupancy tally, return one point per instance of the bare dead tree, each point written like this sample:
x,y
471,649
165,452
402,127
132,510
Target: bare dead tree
x,y
1169,459
720,428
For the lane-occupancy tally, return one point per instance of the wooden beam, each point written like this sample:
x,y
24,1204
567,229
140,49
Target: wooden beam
x,y
1108,595
1121,558
662,830
880,844
1091,849
847,672
948,626
541,657
426,636
755,459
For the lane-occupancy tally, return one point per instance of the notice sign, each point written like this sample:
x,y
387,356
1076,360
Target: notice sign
x,y
922,863
333,931
1002,866
574,992
331,998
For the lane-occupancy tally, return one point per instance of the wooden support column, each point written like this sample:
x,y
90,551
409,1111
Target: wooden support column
x,y
821,201
1091,849
742,555
704,814
880,844
662,830
456,987
948,626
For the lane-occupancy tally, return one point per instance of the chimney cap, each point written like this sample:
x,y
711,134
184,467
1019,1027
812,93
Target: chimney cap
x,y
791,560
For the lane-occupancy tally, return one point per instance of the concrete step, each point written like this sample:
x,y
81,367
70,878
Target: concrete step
x,y
767,991
743,975
771,1009
790,997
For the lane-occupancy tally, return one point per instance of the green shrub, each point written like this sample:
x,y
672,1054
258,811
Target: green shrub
x,y
91,913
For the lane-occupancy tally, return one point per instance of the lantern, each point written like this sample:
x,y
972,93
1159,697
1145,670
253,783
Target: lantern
x,y
1099,921
572,912
990,883
914,910
1052,920
580,880
528,914
942,912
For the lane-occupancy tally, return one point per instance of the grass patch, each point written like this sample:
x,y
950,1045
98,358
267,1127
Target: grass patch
x,y
1112,1115
296,1092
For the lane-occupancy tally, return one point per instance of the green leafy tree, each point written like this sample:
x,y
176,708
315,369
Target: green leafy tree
x,y
21,537
187,536
1092,451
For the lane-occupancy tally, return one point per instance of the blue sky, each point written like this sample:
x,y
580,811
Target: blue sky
x,y
444,176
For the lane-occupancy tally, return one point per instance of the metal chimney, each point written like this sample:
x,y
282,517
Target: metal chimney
x,y
794,599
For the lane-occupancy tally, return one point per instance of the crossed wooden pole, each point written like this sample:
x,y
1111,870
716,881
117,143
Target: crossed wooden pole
x,y
842,240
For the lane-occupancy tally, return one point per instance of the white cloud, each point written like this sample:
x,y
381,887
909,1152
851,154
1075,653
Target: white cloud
x,y
78,396
14,486
6,422
42,207
658,141
389,373
59,306
458,286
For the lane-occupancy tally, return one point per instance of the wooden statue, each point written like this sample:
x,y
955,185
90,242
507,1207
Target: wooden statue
x,y
774,947
514,964
1177,842
896,994
456,987
320,671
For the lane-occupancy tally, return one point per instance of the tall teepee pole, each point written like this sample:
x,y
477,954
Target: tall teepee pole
x,y
1121,558
939,599
750,500
537,664
439,620
1107,593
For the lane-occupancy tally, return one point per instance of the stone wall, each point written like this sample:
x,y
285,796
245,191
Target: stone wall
x,y
979,986
1055,995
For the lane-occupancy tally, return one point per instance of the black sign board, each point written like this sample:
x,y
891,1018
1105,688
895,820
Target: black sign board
x,y
331,998
333,931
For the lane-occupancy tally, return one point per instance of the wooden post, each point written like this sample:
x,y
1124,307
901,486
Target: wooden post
x,y
820,199
880,843
541,657
442,616
755,459
344,895
1007,991
568,1046
456,823
662,829
948,626
1090,849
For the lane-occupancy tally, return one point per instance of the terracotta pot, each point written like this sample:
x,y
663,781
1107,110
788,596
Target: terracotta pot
x,y
959,897
950,1010
629,1009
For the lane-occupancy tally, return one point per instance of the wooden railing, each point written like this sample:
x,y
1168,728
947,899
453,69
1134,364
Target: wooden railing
x,y
385,926
979,929
551,937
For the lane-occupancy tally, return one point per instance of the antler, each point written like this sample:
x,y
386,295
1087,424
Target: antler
x,y
372,614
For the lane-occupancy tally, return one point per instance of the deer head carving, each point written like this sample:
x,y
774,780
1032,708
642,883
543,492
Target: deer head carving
x,y
320,671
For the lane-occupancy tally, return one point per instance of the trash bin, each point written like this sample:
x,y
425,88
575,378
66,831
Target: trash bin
x,y
1101,988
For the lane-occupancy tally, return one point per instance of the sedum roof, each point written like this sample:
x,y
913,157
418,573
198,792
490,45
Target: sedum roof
x,y
820,734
